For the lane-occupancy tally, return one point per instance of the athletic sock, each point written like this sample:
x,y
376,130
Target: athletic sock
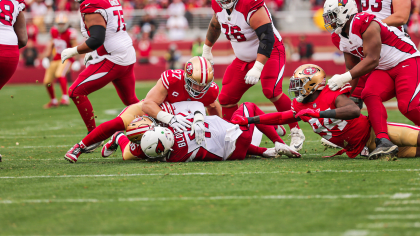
x,y
256,151
104,131
123,141
228,112
284,104
50,90
63,85
377,116
86,111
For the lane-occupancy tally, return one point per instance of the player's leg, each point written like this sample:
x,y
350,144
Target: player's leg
x,y
233,87
60,73
49,83
8,63
407,88
126,85
93,78
356,96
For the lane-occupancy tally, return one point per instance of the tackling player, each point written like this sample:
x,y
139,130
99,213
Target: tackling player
x,y
390,57
195,83
259,52
110,56
336,117
62,37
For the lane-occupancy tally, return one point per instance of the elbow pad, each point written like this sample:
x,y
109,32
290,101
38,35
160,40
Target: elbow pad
x,y
97,37
266,36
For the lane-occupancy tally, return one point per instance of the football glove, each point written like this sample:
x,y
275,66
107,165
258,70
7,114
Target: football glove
x,y
45,63
240,120
308,112
75,66
88,57
198,127
179,123
68,53
207,53
338,81
253,75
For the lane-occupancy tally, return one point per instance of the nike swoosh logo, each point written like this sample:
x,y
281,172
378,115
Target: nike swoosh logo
x,y
405,66
416,92
87,4
298,146
367,20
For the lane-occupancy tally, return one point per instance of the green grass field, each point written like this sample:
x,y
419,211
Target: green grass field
x,y
42,194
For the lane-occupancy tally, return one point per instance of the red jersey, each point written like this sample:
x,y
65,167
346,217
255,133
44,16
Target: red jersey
x,y
352,134
174,82
62,40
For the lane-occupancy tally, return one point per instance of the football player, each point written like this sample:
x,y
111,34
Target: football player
x,y
220,141
388,55
62,37
259,52
335,117
195,83
110,56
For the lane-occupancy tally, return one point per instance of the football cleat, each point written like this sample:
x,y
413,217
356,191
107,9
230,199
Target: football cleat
x,y
93,147
297,139
64,102
73,154
111,146
283,149
50,105
328,144
383,147
270,153
0,158
281,131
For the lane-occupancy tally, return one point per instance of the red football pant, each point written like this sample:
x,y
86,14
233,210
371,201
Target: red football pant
x,y
9,59
243,143
97,76
402,81
357,92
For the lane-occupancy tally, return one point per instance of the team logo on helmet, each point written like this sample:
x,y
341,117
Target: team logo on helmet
x,y
310,71
342,2
189,68
159,147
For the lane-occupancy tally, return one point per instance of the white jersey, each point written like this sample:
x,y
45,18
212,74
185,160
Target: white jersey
x,y
381,9
237,29
9,11
396,47
118,46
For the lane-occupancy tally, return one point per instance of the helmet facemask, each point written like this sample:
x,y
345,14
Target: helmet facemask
x,y
226,4
331,23
189,82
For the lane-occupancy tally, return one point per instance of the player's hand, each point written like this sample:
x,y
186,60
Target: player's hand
x,y
253,75
88,57
45,63
207,53
308,113
68,53
240,120
179,123
338,81
75,66
199,129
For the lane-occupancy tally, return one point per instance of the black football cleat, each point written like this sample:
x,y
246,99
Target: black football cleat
x,y
384,147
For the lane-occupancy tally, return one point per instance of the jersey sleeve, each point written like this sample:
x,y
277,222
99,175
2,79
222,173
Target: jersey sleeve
x,y
335,38
95,6
167,107
172,78
21,5
253,6
215,6
164,77
361,22
54,32
344,90
213,92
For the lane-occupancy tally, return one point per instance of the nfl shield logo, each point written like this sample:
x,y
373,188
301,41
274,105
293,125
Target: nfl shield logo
x,y
189,68
314,105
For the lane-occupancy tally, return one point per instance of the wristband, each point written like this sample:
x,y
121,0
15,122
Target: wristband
x,y
165,117
253,120
327,114
206,48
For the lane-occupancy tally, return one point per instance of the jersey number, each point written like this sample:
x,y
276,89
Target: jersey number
x,y
329,124
376,5
121,22
6,12
233,31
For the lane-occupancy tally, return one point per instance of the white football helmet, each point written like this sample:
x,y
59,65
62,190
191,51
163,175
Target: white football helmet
x,y
157,142
337,13
226,4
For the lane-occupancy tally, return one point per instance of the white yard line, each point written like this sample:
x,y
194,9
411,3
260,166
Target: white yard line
x,y
410,189
384,225
393,217
40,136
215,198
402,202
385,209
356,233
50,146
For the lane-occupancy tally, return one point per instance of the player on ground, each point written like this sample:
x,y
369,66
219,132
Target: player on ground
x,y
387,53
13,36
62,37
335,117
110,56
195,83
259,52
219,141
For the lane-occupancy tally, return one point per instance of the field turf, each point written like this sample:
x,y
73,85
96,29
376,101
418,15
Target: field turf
x,y
42,194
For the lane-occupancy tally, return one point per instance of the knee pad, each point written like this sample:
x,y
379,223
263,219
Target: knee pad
x,y
225,99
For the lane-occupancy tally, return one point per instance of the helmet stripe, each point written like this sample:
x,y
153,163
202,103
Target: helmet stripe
x,y
203,70
137,131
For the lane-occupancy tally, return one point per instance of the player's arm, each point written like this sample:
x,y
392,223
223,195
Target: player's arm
x,y
49,49
97,27
215,109
154,98
213,33
20,30
346,110
277,118
261,23
351,61
401,13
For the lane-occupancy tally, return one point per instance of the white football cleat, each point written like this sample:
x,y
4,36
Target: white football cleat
x,y
281,131
297,139
270,153
93,147
329,144
111,146
283,149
